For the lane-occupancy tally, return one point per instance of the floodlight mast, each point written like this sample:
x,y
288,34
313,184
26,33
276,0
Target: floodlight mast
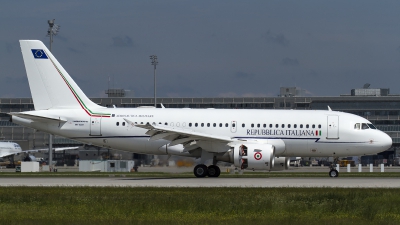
x,y
154,62
53,30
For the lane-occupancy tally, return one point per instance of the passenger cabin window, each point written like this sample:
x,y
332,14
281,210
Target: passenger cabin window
x,y
243,125
195,124
117,123
190,124
288,126
283,125
220,124
166,123
226,125
307,126
252,125
294,125
270,125
319,126
214,124
208,124
258,125
301,125
202,124
123,123
264,125
313,126
233,125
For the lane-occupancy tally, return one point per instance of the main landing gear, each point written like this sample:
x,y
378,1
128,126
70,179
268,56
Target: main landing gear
x,y
202,170
333,172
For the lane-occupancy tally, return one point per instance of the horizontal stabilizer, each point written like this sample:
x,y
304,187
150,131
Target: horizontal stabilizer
x,y
42,119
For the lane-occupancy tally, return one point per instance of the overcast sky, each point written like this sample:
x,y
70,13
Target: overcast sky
x,y
209,48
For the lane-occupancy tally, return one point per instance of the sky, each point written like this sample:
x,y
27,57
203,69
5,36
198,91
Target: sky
x,y
223,48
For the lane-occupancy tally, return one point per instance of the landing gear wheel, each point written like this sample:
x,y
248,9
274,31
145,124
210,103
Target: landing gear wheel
x,y
214,171
333,173
200,170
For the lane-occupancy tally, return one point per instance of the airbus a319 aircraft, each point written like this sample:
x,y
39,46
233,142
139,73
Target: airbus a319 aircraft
x,y
250,139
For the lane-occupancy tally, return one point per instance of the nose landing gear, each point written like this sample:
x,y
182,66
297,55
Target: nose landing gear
x,y
333,172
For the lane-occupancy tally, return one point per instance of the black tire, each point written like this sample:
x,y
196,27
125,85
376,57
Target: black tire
x,y
200,170
333,173
214,171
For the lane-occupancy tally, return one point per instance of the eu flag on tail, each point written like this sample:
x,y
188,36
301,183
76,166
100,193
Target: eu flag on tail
x,y
39,54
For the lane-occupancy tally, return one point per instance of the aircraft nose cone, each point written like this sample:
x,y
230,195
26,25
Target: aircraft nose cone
x,y
386,141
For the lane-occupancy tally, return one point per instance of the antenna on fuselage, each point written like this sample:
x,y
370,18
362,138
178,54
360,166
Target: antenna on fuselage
x,y
162,106
329,108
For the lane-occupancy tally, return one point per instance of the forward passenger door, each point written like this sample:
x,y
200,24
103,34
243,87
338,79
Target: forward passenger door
x,y
333,127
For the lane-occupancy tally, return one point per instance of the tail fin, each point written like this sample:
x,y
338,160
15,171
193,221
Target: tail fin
x,y
51,86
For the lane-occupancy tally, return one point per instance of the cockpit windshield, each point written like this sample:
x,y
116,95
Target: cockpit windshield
x,y
364,126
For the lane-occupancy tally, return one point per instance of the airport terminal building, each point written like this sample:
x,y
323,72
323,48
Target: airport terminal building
x,y
376,105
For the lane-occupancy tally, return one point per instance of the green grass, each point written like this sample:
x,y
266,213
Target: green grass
x,y
190,174
121,205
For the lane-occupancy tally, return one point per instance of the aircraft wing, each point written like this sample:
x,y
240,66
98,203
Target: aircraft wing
x,y
7,153
177,135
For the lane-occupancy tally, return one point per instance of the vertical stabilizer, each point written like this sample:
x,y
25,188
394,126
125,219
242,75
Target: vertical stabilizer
x,y
51,86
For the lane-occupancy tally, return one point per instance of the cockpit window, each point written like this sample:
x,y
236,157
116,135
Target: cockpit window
x,y
357,126
364,126
371,126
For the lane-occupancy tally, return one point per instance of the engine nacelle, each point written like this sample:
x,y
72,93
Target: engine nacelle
x,y
254,156
30,158
281,163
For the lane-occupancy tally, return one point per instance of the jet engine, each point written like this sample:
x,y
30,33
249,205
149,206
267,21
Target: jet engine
x,y
253,156
30,158
281,163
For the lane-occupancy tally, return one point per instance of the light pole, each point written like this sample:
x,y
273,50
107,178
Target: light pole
x,y
53,30
154,62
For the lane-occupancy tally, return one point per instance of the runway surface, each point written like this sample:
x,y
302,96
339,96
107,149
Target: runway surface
x,y
207,182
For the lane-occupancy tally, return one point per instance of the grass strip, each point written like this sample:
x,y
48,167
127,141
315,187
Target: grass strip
x,y
190,174
147,205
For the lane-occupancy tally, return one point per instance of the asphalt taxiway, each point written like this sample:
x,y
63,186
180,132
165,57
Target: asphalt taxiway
x,y
347,182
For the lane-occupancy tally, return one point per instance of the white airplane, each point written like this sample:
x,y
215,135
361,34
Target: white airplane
x,y
250,139
8,149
